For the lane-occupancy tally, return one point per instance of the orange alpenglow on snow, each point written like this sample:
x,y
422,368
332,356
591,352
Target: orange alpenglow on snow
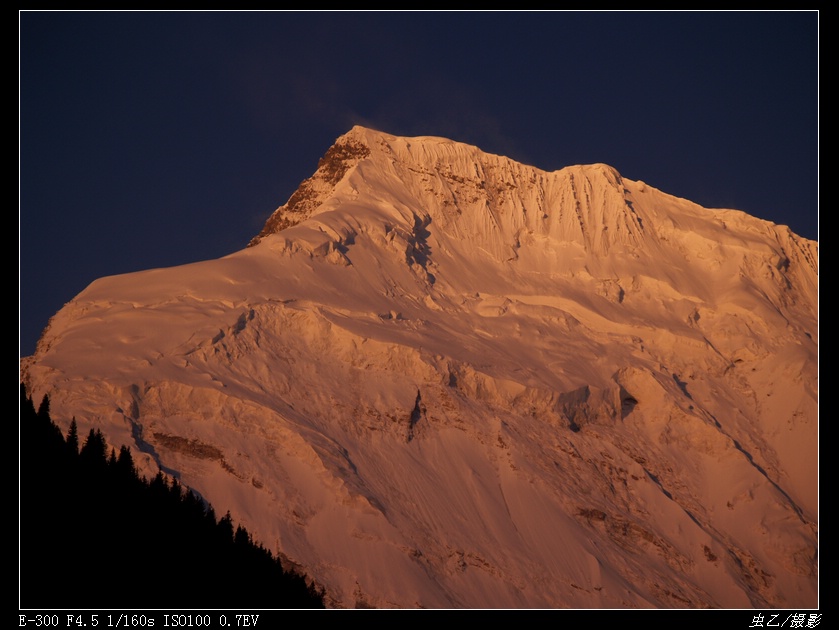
x,y
442,378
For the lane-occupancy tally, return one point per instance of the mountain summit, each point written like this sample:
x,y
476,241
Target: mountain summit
x,y
441,378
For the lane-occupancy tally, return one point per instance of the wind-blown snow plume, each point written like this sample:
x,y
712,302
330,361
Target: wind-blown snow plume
x,y
441,378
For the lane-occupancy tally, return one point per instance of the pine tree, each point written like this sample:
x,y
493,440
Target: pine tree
x,y
73,437
94,451
44,408
125,464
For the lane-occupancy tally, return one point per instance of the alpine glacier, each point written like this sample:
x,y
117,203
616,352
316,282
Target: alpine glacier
x,y
442,378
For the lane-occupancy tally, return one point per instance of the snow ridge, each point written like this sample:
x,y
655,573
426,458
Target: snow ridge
x,y
496,195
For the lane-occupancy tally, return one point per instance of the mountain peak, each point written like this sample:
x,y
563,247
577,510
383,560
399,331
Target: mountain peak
x,y
442,378
455,206
450,182
347,151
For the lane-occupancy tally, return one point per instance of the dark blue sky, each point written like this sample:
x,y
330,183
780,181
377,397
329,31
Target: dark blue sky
x,y
151,139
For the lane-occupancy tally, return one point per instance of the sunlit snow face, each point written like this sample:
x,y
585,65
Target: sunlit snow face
x,y
459,381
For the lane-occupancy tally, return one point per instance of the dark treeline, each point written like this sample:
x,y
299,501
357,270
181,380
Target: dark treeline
x,y
93,534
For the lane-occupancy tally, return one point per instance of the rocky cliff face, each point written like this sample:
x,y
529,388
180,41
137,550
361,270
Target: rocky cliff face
x,y
441,378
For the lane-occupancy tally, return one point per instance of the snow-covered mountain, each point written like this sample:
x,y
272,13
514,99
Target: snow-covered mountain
x,y
441,378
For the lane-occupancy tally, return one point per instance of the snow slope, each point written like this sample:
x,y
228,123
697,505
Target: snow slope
x,y
441,378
